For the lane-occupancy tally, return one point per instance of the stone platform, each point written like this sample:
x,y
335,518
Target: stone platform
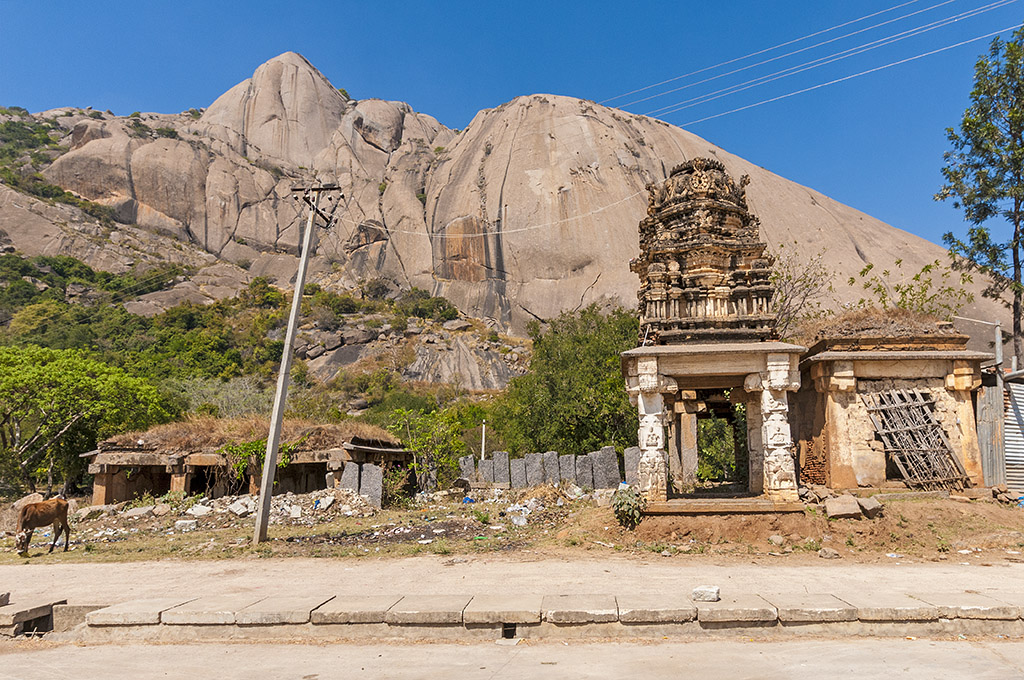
x,y
721,506
520,615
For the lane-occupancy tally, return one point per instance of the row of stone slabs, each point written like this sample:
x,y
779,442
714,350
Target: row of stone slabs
x,y
363,478
537,615
595,470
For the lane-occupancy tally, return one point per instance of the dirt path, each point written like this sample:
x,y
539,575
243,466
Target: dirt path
x,y
610,573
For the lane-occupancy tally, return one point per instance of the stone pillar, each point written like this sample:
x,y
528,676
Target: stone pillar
x,y
688,448
777,453
965,379
102,488
652,471
647,391
755,448
180,481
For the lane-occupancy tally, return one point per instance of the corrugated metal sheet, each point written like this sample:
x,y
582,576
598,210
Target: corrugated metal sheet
x,y
991,413
1014,434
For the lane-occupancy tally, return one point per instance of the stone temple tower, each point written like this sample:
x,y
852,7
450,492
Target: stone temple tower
x,y
704,274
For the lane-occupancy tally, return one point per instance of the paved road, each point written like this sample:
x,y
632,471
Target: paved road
x,y
726,660
605,573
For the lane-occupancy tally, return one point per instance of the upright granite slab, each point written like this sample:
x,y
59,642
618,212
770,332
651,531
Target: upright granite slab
x,y
485,470
534,469
551,472
631,462
371,483
585,472
350,477
501,469
466,467
567,468
606,468
517,472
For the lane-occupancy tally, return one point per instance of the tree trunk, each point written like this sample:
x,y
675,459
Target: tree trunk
x,y
1015,248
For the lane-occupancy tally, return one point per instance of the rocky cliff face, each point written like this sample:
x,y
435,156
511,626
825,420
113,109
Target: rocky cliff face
x,y
531,210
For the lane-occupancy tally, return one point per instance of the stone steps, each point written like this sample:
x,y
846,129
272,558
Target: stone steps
x,y
444,617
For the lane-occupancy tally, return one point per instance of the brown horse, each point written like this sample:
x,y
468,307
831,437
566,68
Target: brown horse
x,y
35,515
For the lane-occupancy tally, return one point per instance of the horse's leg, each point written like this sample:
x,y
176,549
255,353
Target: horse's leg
x,y
56,534
67,535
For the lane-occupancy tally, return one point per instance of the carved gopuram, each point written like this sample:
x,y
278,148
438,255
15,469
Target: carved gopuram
x,y
705,327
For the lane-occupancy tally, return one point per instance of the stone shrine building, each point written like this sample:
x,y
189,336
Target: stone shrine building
x,y
706,326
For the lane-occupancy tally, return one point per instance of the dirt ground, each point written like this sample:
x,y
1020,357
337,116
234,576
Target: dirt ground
x,y
556,525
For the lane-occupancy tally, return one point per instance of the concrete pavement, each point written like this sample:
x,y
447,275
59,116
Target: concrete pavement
x,y
718,660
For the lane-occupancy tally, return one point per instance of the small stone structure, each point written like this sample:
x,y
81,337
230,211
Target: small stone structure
x,y
190,458
836,438
705,324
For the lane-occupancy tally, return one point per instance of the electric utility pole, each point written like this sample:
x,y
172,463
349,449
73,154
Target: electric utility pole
x,y
311,195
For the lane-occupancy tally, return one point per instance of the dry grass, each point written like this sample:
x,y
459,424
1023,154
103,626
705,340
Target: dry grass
x,y
871,322
197,433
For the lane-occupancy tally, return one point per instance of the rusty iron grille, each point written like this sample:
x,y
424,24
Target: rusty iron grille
x,y
914,439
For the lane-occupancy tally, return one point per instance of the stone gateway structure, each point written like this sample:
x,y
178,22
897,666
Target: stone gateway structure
x,y
706,325
892,410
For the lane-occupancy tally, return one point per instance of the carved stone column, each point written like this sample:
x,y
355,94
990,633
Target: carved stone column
x,y
647,392
778,454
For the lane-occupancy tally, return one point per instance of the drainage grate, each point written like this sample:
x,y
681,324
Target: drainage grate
x,y
508,630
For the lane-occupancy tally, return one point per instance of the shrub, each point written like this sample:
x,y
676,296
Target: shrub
x,y
628,506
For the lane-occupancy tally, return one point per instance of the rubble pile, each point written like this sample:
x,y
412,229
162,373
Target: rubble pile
x,y
208,513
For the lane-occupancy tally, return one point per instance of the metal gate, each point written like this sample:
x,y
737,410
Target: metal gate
x,y
1014,437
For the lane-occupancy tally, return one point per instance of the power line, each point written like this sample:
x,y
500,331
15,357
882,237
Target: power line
x,y
855,75
754,54
828,59
789,54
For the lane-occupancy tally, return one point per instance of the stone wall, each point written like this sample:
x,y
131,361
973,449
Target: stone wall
x,y
595,470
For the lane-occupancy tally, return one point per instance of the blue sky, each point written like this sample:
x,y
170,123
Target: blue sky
x,y
874,142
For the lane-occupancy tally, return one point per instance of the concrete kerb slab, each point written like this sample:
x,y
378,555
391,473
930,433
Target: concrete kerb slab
x,y
969,606
26,610
889,607
741,609
208,611
280,609
68,616
428,609
499,609
349,609
650,608
811,608
580,608
135,612
1014,599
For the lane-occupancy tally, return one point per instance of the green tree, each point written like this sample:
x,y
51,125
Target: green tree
x,y
573,399
985,174
56,404
435,439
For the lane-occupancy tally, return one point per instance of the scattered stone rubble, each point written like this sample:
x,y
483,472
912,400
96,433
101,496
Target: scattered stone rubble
x,y
287,508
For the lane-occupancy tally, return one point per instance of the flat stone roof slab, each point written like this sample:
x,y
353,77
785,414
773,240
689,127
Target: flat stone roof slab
x,y
717,348
428,609
208,611
354,609
580,608
651,608
26,610
738,609
969,606
280,609
503,609
811,608
135,612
